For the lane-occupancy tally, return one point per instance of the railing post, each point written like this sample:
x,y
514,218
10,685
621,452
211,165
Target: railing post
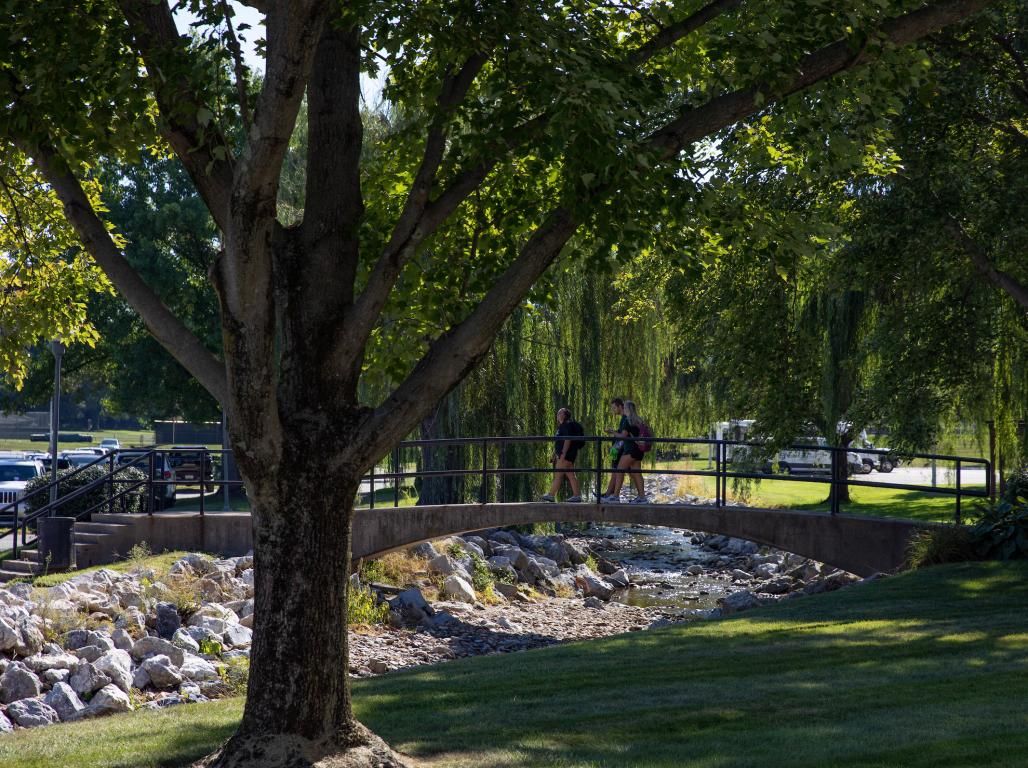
x,y
371,481
150,500
484,491
396,476
110,481
959,521
718,451
599,468
203,473
834,487
503,475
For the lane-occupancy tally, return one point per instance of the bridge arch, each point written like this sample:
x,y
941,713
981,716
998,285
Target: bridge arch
x,y
862,545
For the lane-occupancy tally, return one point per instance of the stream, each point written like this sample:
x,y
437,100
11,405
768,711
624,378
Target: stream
x,y
656,560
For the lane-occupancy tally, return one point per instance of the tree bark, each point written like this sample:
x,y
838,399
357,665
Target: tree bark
x,y
298,708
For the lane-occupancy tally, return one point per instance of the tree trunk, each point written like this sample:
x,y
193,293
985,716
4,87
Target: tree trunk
x,y
298,710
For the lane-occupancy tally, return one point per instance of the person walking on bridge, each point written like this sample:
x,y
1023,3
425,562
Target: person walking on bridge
x,y
565,451
630,456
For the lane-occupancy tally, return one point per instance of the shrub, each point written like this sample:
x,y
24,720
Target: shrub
x,y
93,500
235,675
939,545
481,576
363,607
1001,532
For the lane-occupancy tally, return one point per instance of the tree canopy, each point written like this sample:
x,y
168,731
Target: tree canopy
x,y
522,130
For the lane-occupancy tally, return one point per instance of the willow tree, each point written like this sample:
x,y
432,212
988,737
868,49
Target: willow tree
x,y
531,121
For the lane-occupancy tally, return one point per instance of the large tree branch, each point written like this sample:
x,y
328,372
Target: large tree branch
x,y
293,32
670,35
454,354
409,229
166,328
696,122
981,261
202,148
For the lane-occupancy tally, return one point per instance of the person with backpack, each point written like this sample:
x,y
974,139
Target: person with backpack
x,y
631,455
565,451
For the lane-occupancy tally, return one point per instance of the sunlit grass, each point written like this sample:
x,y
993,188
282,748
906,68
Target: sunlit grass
x,y
926,669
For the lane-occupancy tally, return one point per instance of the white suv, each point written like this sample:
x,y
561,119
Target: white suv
x,y
15,474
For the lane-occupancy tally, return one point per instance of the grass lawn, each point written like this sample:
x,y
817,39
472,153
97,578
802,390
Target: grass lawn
x,y
925,669
127,437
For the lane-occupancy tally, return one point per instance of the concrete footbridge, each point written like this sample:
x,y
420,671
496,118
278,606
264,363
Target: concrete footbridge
x,y
862,544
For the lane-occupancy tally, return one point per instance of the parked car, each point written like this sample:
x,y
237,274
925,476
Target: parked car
x,y
190,463
110,444
80,457
164,494
15,474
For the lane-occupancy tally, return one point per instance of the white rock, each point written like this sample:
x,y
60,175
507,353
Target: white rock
x,y
592,585
86,678
196,669
122,639
18,683
64,701
32,713
40,664
183,640
238,636
151,646
108,700
458,589
443,564
162,672
9,635
117,665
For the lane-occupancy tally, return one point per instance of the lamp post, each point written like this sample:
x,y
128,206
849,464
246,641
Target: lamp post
x,y
55,416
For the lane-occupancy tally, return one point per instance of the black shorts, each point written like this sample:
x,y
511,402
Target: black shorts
x,y
636,454
571,454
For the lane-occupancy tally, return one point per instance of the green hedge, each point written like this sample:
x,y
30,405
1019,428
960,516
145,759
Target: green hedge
x,y
128,503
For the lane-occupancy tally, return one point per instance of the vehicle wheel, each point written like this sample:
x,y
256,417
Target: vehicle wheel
x,y
168,503
885,466
784,469
868,466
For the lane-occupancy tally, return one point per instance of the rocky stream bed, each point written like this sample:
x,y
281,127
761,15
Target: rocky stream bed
x,y
106,642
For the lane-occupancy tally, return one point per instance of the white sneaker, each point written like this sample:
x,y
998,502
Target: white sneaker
x,y
575,500
546,497
639,500
610,499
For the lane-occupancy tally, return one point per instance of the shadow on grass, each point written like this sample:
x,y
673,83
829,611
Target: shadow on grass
x,y
917,670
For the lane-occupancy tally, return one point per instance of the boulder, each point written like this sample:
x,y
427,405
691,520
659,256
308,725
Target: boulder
x,y
140,679
117,665
472,548
162,672
31,641
479,542
32,713
504,537
766,570
214,617
444,565
108,700
41,663
459,589
18,683
577,553
197,669
86,678
53,676
9,635
619,579
594,602
132,620
6,726
185,641
64,701
515,555
592,585
509,591
777,586
152,646
424,550
238,636
168,620
88,652
122,640
738,601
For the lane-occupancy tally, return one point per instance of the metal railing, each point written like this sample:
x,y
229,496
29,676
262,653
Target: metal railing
x,y
482,458
491,461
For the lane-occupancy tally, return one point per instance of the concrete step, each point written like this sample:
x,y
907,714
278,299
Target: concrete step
x,y
112,519
95,527
6,576
29,554
85,555
23,567
85,537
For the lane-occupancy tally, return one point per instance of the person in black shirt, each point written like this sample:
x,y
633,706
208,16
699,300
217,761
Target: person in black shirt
x,y
565,450
629,457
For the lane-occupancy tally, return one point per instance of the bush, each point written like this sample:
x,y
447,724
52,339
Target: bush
x,y
1001,532
939,545
364,608
94,499
481,575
